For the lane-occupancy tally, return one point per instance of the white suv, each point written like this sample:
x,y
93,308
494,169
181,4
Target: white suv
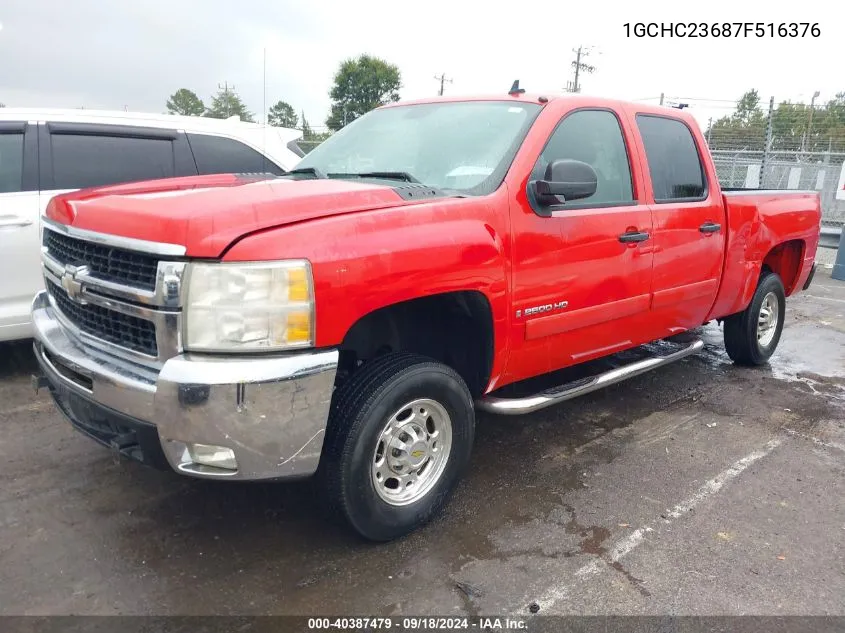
x,y
47,152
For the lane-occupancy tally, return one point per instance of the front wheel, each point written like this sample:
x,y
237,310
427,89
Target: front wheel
x,y
752,336
399,437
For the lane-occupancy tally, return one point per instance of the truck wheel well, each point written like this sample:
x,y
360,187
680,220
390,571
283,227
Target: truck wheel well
x,y
455,328
785,260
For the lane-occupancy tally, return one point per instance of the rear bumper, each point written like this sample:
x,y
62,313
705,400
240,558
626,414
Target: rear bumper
x,y
270,411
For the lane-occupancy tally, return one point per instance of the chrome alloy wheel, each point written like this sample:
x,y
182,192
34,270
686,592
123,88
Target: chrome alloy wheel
x,y
412,452
767,320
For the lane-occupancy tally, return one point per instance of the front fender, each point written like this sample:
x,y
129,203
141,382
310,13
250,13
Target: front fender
x,y
366,261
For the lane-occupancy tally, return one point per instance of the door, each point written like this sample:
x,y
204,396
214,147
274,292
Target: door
x,y
19,249
688,226
581,269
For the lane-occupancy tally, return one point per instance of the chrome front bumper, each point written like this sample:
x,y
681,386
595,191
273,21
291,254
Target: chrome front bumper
x,y
271,411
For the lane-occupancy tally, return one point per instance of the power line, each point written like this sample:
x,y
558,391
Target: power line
x,y
579,66
704,99
442,79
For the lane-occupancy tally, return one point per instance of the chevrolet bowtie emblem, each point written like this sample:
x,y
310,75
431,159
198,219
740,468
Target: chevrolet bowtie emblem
x,y
71,282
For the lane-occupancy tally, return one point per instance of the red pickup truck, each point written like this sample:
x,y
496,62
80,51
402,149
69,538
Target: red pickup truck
x,y
346,320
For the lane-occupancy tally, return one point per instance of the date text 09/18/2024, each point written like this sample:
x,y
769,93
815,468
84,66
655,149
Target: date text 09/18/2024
x,y
423,623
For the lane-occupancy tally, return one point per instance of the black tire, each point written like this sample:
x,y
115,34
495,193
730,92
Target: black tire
x,y
741,340
361,408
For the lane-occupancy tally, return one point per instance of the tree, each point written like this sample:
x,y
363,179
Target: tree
x,y
359,86
748,112
186,102
745,129
227,103
2,105
282,115
829,125
306,129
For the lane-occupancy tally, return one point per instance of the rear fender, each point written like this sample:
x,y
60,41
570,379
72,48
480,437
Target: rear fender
x,y
776,229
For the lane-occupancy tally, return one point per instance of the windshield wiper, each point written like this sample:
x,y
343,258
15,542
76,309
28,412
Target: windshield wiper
x,y
388,175
313,171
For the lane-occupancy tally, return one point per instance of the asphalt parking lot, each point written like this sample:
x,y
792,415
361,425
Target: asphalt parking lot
x,y
701,488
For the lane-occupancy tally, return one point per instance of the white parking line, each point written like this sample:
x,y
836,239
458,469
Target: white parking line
x,y
621,548
624,546
815,440
826,298
714,485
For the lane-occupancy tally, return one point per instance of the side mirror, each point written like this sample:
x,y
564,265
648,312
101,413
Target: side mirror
x,y
569,179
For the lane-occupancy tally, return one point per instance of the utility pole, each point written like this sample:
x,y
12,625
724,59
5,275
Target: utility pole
x,y
442,79
809,122
579,66
225,89
768,148
709,131
264,87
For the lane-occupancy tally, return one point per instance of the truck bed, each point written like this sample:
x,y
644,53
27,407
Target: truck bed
x,y
772,227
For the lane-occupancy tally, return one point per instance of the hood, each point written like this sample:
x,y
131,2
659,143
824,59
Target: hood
x,y
205,214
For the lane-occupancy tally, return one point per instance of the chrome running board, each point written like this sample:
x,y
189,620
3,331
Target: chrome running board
x,y
569,390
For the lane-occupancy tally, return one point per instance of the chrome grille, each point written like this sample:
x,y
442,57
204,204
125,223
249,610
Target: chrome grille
x,y
114,327
105,262
119,295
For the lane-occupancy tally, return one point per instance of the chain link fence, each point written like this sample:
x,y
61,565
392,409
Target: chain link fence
x,y
818,171
786,146
307,146
313,136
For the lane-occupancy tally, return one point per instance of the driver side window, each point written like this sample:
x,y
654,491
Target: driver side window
x,y
593,137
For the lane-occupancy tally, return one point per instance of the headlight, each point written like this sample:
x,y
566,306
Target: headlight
x,y
253,306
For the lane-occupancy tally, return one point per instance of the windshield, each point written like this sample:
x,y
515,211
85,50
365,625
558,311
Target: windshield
x,y
465,147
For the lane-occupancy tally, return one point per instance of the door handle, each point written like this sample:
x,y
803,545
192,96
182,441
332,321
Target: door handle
x,y
633,236
710,227
13,220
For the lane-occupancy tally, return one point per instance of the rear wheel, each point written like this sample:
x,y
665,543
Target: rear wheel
x,y
399,437
752,336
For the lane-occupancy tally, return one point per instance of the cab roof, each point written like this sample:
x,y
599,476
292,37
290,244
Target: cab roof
x,y
545,99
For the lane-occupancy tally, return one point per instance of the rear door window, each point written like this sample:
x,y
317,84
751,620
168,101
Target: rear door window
x,y
673,159
11,162
220,155
87,160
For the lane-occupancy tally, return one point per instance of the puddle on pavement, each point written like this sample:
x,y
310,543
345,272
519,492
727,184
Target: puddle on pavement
x,y
808,354
808,350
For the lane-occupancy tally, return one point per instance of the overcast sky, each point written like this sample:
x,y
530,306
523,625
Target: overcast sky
x,y
115,54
